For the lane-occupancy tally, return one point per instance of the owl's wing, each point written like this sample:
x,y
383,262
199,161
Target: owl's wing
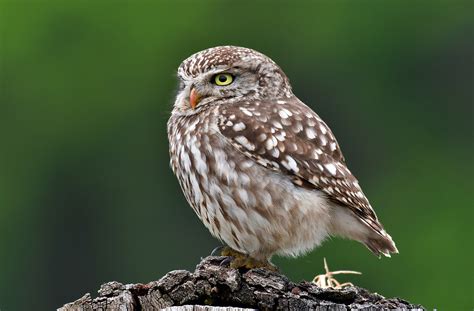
x,y
288,137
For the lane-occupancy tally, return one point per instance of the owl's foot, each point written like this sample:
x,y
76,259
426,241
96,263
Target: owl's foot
x,y
328,281
247,262
244,261
229,252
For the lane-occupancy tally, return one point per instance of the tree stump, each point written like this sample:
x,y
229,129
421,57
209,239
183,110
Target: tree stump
x,y
214,286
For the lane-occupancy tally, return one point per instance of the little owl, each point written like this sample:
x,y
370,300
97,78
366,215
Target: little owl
x,y
261,169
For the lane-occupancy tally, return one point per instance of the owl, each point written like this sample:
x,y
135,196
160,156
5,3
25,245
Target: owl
x,y
262,171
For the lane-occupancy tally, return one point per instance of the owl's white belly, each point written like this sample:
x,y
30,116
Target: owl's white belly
x,y
251,208
298,218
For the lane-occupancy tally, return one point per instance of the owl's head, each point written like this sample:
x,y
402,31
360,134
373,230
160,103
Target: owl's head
x,y
226,74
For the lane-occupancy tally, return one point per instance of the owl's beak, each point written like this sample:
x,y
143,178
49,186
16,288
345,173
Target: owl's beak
x,y
194,98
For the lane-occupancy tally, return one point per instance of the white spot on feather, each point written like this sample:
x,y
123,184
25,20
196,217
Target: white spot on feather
x,y
262,137
323,129
284,113
239,127
323,140
310,133
331,168
246,111
280,136
277,124
269,143
290,164
297,127
245,142
275,152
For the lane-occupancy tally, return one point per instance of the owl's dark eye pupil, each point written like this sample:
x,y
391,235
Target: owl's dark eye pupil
x,y
222,78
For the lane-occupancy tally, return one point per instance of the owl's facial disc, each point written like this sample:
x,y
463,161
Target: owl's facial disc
x,y
214,85
221,79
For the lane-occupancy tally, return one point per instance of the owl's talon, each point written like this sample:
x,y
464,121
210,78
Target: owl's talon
x,y
226,262
217,251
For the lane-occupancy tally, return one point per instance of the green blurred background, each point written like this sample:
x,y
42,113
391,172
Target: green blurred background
x,y
86,87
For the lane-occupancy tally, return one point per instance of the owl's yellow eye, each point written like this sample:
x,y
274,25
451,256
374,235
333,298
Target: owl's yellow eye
x,y
223,79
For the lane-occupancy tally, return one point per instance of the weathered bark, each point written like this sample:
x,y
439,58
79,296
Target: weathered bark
x,y
216,287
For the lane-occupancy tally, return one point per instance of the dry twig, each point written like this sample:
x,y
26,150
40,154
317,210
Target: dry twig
x,y
328,281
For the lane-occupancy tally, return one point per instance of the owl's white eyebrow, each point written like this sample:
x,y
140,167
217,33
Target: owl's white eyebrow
x,y
219,70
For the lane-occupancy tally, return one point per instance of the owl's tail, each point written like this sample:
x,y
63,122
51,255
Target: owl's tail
x,y
381,243
369,232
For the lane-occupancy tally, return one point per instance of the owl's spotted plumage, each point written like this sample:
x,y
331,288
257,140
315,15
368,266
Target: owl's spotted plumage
x,y
262,171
